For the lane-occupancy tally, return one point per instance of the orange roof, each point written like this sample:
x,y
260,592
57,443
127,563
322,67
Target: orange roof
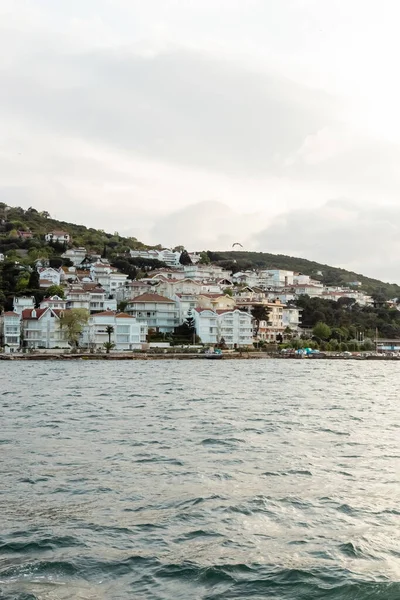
x,y
123,316
151,298
10,313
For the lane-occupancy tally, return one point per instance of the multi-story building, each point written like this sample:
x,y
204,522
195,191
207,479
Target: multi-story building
x,y
41,328
169,257
156,311
127,332
232,327
291,318
10,328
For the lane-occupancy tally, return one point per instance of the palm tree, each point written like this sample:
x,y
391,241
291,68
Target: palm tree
x,y
108,346
109,332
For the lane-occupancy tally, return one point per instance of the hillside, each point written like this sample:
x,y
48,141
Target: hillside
x,y
241,260
16,222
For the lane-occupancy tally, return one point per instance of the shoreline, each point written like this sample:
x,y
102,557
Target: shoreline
x,y
186,356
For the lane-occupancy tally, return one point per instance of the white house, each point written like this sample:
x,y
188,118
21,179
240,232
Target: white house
x,y
58,236
41,328
53,302
10,328
23,302
75,255
108,277
156,311
127,334
170,287
234,327
1,257
291,317
49,274
272,327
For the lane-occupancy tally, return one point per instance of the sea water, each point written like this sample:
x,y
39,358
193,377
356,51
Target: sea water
x,y
199,479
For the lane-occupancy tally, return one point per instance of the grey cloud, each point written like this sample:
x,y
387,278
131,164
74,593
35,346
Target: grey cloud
x,y
178,106
208,225
341,233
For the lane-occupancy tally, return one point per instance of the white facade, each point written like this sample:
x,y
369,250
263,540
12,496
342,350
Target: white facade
x,y
23,302
170,287
169,257
75,255
53,302
276,278
233,326
10,327
1,257
128,333
156,311
108,277
41,329
50,274
205,272
58,236
291,317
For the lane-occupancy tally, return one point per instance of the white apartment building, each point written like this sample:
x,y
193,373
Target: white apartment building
x,y
205,272
108,277
156,311
10,328
169,257
291,317
275,278
234,327
128,333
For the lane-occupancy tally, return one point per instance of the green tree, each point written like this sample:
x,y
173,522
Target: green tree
x,y
108,346
204,259
34,280
322,331
55,290
73,321
228,292
185,259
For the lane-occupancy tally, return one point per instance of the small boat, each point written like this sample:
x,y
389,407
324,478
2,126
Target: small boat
x,y
213,354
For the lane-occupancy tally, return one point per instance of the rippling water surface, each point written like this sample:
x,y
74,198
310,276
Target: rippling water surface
x,y
200,479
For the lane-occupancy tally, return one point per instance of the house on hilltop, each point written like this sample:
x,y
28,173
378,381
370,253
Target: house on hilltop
x,y
62,237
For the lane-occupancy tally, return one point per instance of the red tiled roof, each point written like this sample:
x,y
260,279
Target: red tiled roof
x,y
123,316
105,313
150,298
27,313
10,313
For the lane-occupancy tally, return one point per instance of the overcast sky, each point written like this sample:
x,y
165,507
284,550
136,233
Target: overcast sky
x,y
274,123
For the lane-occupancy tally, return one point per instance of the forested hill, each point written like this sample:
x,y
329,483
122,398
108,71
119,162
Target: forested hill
x,y
15,219
241,260
15,246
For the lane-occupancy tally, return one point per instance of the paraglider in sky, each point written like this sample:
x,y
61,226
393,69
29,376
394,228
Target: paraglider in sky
x,y
237,244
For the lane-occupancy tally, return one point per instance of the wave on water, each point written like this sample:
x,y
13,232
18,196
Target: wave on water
x,y
156,481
